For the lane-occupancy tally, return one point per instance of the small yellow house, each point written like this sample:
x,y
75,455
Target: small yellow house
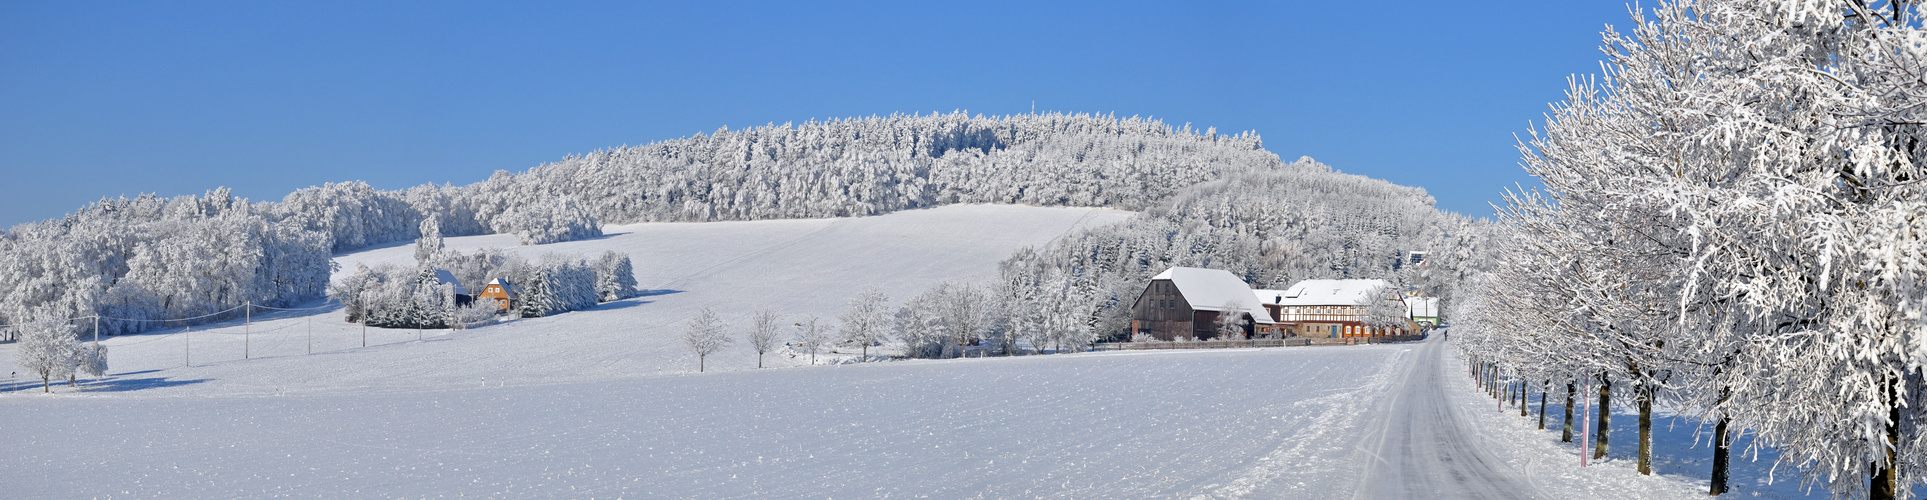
x,y
502,292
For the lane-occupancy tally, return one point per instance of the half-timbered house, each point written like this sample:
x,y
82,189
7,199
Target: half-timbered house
x,y
1326,308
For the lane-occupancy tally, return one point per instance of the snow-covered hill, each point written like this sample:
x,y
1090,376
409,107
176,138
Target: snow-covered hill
x,y
796,267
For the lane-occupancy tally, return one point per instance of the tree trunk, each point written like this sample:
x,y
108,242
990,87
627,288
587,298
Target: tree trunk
x,y
759,360
46,383
1605,416
1566,435
699,363
1542,403
1645,395
1722,445
1525,394
1881,484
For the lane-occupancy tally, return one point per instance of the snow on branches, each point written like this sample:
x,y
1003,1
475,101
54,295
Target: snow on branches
x,y
1733,219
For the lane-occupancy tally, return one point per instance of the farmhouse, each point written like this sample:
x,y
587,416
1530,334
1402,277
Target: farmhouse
x,y
1326,308
502,292
1187,301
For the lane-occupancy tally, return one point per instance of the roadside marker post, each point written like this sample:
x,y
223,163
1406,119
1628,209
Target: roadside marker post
x,y
1585,402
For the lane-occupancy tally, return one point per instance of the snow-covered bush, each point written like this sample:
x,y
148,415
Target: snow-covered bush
x,y
475,313
91,359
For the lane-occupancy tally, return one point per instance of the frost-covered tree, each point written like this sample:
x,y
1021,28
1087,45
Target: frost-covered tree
x,y
549,221
1732,218
864,322
965,310
705,335
429,245
810,336
763,331
921,326
615,276
1385,310
1230,324
47,346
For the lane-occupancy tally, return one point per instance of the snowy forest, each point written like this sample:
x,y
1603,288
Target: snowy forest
x,y
1270,227
1733,225
140,262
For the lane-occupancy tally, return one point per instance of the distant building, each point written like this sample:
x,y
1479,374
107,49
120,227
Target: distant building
x,y
1325,308
504,294
1425,311
1187,301
443,277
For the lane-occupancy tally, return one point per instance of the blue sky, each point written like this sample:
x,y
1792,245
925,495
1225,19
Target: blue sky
x,y
108,99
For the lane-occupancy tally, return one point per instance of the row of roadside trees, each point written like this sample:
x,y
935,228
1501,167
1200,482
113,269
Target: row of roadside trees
x,y
1733,225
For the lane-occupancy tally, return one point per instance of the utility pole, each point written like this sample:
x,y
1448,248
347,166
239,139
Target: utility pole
x,y
311,335
247,330
187,347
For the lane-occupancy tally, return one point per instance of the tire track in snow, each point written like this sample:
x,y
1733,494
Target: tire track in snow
x,y
1425,447
1301,458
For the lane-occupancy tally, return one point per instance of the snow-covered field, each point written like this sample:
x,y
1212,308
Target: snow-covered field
x,y
792,266
1080,426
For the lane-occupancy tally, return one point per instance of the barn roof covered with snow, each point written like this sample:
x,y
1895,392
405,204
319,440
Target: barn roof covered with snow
x,y
1323,293
1211,289
448,278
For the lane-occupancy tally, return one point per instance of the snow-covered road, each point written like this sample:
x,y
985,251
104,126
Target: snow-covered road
x,y
1423,446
